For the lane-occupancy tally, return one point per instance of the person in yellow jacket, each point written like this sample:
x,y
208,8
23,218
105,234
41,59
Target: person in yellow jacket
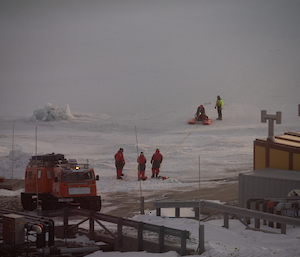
x,y
219,106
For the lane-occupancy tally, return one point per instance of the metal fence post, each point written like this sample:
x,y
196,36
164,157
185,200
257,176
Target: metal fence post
x,y
226,220
120,232
183,243
158,212
161,239
270,209
257,223
65,222
283,225
201,248
177,212
140,236
92,227
265,209
283,228
197,212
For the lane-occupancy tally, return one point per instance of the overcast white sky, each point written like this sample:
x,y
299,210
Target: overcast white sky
x,y
142,56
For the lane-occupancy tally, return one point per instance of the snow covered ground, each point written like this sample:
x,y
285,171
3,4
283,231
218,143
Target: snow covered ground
x,y
222,157
225,150
87,75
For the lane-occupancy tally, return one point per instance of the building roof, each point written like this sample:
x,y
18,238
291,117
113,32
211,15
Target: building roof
x,y
287,139
275,173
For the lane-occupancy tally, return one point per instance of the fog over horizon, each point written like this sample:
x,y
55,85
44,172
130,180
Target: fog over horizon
x,y
143,57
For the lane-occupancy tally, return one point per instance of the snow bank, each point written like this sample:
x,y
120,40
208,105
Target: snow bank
x,y
14,164
51,113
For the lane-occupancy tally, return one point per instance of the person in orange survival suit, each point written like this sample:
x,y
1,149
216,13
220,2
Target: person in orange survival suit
x,y
142,166
120,162
156,161
200,114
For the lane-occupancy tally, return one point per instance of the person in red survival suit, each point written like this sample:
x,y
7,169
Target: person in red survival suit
x,y
200,114
142,166
120,162
156,161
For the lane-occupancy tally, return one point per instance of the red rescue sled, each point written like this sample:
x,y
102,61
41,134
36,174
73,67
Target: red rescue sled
x,y
192,121
204,122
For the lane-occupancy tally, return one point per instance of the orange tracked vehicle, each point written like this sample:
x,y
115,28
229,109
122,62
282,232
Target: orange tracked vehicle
x,y
53,182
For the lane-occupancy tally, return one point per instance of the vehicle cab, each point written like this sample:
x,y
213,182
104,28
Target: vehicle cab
x,y
73,179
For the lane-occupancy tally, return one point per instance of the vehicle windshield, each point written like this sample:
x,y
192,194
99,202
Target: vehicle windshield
x,y
75,176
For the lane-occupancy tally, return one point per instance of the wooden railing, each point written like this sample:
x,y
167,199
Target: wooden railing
x,y
117,238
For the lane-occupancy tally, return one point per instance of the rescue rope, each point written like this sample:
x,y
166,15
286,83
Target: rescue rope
x,y
182,141
125,217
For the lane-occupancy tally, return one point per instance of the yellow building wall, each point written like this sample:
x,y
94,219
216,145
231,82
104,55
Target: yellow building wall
x,y
296,161
259,157
279,159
